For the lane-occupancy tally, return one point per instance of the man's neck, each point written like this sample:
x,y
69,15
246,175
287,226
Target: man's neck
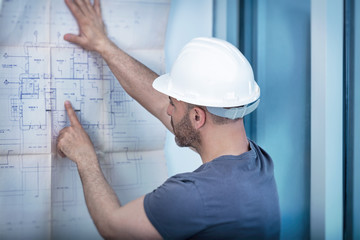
x,y
219,140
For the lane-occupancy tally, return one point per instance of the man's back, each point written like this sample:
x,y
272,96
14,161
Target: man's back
x,y
231,197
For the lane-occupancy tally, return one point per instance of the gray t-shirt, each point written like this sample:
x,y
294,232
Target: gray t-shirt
x,y
231,197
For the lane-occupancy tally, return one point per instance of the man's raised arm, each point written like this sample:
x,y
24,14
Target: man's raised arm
x,y
134,77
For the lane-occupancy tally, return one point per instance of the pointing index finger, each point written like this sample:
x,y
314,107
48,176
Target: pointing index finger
x,y
72,115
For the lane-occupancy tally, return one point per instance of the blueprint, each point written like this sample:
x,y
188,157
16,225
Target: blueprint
x,y
41,193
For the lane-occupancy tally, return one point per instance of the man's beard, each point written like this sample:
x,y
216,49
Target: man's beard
x,y
185,134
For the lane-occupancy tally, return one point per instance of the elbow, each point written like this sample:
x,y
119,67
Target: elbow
x,y
108,234
106,230
105,233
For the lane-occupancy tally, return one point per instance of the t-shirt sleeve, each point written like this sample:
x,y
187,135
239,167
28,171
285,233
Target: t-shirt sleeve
x,y
175,209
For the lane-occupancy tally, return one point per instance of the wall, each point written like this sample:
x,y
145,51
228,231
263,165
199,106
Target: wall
x,y
283,118
356,127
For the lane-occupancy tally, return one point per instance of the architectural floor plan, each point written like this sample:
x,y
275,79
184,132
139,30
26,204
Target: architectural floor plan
x,y
40,193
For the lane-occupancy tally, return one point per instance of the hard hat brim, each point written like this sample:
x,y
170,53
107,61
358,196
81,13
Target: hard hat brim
x,y
162,83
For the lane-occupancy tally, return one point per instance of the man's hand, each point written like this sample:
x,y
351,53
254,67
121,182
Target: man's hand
x,y
73,142
92,35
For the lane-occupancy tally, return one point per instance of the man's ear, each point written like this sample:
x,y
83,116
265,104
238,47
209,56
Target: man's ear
x,y
198,117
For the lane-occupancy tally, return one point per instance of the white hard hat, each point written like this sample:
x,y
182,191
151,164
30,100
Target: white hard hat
x,y
213,73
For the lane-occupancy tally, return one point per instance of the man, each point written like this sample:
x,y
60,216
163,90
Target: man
x,y
202,101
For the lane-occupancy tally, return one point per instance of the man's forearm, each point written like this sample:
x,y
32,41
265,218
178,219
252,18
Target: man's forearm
x,y
100,199
136,79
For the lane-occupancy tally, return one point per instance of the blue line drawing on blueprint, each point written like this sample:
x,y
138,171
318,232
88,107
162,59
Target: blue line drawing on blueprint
x,y
40,193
